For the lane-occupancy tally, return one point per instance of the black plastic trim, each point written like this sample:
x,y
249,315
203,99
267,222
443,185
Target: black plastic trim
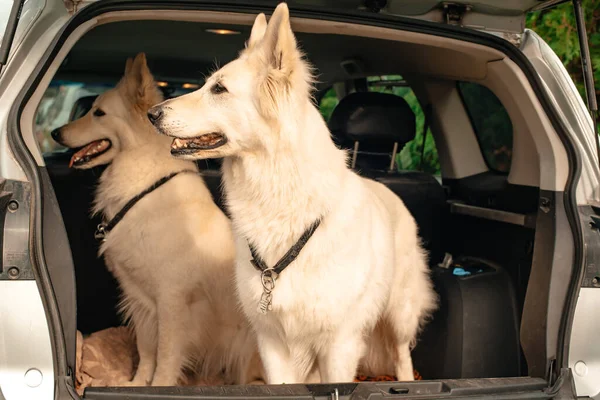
x,y
60,265
492,190
508,388
19,148
540,329
591,233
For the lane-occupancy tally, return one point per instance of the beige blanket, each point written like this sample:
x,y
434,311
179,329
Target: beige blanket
x,y
109,358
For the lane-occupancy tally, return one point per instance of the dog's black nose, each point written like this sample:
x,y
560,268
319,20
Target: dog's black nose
x,y
154,114
56,134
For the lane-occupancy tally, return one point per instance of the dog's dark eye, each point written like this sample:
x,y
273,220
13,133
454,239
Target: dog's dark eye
x,y
217,88
99,113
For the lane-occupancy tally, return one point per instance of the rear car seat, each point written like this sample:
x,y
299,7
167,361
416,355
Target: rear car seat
x,y
474,334
374,124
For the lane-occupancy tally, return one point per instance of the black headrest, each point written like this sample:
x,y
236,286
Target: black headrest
x,y
376,120
81,107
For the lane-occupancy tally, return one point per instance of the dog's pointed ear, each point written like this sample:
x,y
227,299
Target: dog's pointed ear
x,y
258,30
278,55
128,65
278,45
142,75
139,82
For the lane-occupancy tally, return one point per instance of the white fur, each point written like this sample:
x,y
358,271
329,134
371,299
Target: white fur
x,y
359,291
173,252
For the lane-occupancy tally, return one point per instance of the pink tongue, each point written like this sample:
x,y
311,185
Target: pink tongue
x,y
82,153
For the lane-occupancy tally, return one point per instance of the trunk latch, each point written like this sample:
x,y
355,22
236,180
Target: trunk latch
x,y
454,13
72,5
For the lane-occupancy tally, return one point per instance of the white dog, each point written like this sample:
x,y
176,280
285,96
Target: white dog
x,y
359,290
172,252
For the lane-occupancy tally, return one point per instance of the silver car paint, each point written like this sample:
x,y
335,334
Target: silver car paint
x,y
24,333
584,352
584,355
566,98
24,342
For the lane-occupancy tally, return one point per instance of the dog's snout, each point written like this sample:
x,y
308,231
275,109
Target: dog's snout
x,y
56,134
155,114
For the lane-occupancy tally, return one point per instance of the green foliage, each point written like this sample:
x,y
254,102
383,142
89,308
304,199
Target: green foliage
x,y
558,28
328,103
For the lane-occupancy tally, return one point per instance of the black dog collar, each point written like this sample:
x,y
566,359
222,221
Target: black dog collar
x,y
103,229
268,276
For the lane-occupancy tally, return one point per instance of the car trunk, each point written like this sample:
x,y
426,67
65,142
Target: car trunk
x,y
488,232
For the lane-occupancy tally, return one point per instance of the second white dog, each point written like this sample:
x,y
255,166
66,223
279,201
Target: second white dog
x,y
172,251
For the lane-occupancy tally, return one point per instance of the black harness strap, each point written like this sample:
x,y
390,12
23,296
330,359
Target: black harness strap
x,y
103,229
288,257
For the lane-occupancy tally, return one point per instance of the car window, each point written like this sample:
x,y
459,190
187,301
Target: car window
x,y
411,157
57,105
328,103
491,124
55,108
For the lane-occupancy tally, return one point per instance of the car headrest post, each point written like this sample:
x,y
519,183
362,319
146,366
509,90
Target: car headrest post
x,y
355,154
394,152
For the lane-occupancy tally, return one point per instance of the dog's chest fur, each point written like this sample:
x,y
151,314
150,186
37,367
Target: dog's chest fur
x,y
138,249
336,269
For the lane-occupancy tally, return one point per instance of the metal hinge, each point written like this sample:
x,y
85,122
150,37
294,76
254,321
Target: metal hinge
x,y
15,206
454,13
72,5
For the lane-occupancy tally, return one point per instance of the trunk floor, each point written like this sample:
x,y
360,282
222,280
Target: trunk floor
x,y
109,358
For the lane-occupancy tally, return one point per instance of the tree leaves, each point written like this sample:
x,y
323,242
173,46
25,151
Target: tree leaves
x,y
558,28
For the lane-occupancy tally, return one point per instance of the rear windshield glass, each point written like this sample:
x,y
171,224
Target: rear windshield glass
x,y
56,107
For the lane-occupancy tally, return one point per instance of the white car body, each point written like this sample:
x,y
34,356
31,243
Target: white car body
x,y
28,366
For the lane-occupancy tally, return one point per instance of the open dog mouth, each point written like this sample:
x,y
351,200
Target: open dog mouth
x,y
208,141
90,151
